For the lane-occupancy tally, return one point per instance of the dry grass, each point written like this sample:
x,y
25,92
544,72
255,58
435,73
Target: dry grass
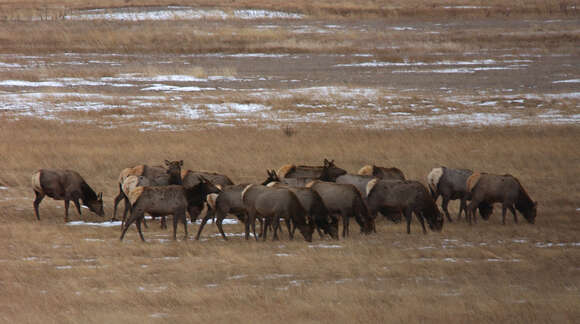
x,y
54,273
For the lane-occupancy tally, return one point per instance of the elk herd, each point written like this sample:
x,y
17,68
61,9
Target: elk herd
x,y
310,198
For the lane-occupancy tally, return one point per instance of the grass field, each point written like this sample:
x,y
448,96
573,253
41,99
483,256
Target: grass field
x,y
229,88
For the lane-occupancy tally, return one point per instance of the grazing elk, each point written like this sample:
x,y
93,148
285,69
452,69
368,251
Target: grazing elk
x,y
316,211
271,204
300,175
344,200
451,185
65,185
382,172
166,200
156,175
487,189
229,201
361,182
407,196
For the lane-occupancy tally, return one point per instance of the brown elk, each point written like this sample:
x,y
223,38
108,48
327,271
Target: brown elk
x,y
166,200
271,204
382,172
65,185
407,196
487,189
344,200
229,201
155,175
192,178
450,184
316,211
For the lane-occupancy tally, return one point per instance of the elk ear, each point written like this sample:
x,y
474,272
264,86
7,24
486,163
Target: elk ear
x,y
180,163
167,162
100,196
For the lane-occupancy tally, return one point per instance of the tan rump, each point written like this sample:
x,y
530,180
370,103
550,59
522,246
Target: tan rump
x,y
434,177
245,190
472,181
135,194
285,169
366,170
311,183
370,185
129,184
136,171
211,200
36,186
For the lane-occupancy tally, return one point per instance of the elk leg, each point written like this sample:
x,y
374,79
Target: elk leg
x,y
444,205
408,215
468,213
254,225
220,219
116,201
250,218
513,210
77,205
126,210
344,225
288,226
203,221
163,222
66,204
37,200
184,220
275,226
265,229
127,224
422,221
503,210
462,203
139,229
175,216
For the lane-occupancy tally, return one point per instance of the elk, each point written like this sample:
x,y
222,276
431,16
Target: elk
x,y
65,185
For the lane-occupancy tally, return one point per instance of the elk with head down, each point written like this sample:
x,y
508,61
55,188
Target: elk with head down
x,y
316,211
487,189
407,196
450,184
271,204
65,185
344,200
229,201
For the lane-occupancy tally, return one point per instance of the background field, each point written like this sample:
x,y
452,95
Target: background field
x,y
100,86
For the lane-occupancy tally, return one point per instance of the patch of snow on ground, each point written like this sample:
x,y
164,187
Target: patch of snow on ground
x,y
326,246
568,81
103,224
180,13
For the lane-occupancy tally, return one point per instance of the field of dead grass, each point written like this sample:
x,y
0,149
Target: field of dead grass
x,y
52,272
358,82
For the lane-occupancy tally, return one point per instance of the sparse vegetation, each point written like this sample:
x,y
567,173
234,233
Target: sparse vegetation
x,y
300,112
